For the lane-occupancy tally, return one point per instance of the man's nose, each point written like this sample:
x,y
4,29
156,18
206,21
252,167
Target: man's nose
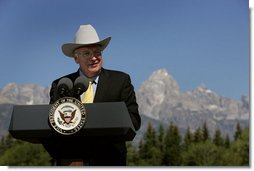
x,y
93,58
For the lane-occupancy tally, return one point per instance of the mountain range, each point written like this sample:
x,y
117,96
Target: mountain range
x,y
160,98
160,102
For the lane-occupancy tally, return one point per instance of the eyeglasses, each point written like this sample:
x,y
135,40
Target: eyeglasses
x,y
88,54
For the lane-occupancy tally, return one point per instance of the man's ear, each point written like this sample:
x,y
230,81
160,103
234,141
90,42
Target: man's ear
x,y
76,59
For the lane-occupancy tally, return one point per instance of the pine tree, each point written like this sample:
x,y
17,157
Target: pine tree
x,y
148,149
238,152
244,147
205,132
188,138
161,137
227,141
161,142
218,140
172,154
198,136
149,141
132,157
238,131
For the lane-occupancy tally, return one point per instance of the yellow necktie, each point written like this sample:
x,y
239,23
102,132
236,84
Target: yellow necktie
x,y
88,94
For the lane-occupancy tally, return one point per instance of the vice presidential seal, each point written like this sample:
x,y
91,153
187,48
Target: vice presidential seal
x,y
67,115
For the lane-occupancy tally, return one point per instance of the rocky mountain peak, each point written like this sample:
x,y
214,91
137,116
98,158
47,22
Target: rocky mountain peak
x,y
159,87
203,95
160,73
246,100
161,76
24,94
201,88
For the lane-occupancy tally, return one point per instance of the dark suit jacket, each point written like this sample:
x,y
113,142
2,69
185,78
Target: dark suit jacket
x,y
113,86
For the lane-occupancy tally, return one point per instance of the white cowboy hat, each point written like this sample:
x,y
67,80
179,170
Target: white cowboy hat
x,y
86,35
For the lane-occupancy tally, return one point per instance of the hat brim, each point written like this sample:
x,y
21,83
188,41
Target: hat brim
x,y
69,48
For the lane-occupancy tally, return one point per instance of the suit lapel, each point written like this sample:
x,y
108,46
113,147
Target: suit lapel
x,y
102,86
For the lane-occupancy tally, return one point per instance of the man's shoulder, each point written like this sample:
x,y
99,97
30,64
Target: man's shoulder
x,y
115,73
71,76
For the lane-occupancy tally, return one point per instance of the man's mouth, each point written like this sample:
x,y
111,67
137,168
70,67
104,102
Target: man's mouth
x,y
93,64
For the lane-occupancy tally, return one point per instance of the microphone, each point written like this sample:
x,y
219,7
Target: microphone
x,y
64,87
80,85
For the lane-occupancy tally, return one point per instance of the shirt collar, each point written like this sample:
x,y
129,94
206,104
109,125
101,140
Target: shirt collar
x,y
94,79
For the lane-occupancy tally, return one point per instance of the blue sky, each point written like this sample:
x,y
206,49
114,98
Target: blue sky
x,y
197,41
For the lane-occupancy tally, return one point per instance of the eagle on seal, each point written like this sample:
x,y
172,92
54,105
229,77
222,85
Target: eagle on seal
x,y
67,116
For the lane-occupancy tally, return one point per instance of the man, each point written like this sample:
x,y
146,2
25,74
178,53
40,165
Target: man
x,y
106,85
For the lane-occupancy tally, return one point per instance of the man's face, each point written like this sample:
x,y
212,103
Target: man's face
x,y
90,59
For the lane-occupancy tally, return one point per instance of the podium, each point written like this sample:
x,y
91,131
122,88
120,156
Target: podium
x,y
106,123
